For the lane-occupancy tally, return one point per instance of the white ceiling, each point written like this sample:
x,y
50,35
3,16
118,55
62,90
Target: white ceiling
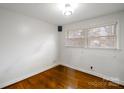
x,y
51,13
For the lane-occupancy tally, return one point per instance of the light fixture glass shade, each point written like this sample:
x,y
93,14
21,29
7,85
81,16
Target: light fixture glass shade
x,y
67,13
68,10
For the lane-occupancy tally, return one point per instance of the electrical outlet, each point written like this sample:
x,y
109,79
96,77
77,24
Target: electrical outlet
x,y
91,67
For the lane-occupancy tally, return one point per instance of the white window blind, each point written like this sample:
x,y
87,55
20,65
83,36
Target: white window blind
x,y
94,37
75,38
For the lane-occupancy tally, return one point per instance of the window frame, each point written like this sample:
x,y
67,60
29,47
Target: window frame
x,y
77,45
116,44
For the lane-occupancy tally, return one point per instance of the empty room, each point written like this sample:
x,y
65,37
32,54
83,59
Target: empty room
x,y
61,46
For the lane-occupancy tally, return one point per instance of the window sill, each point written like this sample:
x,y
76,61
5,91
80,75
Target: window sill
x,y
115,49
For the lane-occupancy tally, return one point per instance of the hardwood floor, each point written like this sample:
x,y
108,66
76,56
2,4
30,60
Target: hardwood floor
x,y
61,77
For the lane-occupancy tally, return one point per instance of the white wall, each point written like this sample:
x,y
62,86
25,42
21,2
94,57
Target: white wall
x,y
108,64
27,46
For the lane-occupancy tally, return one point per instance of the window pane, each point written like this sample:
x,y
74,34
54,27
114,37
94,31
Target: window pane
x,y
101,31
110,30
101,42
77,42
75,38
100,37
75,34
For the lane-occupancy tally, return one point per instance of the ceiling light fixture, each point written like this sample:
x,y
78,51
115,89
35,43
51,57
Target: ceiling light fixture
x,y
67,8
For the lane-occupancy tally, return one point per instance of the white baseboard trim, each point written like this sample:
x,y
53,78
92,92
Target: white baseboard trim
x,y
115,80
2,85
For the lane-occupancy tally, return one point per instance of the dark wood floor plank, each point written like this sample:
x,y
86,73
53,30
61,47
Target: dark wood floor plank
x,y
61,77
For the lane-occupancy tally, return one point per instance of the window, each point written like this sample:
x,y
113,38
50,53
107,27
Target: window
x,y
75,38
102,37
98,37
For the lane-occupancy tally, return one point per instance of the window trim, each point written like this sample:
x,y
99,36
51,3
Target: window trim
x,y
86,37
